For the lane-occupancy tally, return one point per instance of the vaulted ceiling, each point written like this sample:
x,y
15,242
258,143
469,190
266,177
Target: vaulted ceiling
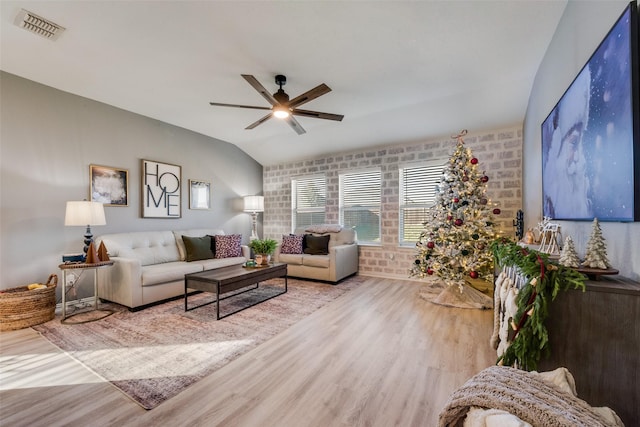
x,y
399,71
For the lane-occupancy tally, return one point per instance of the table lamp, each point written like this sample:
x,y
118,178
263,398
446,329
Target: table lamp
x,y
84,213
254,205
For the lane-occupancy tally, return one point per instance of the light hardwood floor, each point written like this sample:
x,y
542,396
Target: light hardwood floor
x,y
377,356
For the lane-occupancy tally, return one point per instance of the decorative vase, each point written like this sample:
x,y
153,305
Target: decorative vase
x,y
264,259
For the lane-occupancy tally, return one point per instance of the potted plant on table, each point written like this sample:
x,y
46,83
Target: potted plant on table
x,y
263,249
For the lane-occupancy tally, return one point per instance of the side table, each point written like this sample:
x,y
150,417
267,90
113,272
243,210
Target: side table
x,y
67,267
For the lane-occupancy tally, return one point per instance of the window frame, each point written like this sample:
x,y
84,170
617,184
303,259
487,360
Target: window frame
x,y
311,209
435,169
369,207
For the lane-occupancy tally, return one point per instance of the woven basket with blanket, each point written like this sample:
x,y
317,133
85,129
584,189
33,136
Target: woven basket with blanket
x,y
26,306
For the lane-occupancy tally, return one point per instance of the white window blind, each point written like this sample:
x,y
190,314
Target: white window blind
x,y
360,204
418,189
308,200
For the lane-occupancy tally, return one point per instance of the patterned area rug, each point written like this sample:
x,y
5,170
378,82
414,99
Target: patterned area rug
x,y
153,354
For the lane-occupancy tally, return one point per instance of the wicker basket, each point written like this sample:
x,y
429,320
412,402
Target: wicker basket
x,y
21,307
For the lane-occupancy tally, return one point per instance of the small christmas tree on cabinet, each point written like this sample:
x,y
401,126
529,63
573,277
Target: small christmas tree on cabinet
x,y
568,256
454,244
596,256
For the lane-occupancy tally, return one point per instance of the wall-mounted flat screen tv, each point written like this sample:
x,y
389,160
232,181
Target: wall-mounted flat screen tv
x,y
590,140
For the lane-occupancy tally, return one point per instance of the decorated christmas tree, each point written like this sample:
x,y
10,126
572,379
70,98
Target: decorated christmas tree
x,y
454,244
596,256
568,256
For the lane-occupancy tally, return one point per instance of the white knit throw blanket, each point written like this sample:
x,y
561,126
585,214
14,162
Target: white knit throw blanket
x,y
522,394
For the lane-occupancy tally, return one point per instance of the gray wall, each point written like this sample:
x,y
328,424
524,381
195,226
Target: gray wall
x,y
582,27
48,140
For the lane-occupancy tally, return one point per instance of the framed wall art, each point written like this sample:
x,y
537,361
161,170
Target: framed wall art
x,y
108,185
161,195
199,194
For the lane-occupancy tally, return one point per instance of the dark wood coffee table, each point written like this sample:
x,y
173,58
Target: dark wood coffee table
x,y
224,280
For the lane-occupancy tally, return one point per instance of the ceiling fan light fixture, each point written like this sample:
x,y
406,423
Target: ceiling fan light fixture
x,y
281,107
281,112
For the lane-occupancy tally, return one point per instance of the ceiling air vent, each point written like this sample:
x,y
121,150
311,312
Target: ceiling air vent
x,y
38,25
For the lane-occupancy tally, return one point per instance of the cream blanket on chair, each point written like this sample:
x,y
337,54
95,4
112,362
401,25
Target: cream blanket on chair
x,y
519,398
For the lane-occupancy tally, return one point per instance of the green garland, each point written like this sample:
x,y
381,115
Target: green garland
x,y
546,280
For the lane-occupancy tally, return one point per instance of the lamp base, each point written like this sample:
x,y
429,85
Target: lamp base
x,y
88,238
254,226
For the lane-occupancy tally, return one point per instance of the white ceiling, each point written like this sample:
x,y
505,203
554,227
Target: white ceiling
x,y
400,71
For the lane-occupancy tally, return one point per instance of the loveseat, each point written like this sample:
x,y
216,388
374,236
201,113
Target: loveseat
x,y
149,266
309,257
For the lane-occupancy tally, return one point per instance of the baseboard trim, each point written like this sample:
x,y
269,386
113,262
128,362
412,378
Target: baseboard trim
x,y
391,276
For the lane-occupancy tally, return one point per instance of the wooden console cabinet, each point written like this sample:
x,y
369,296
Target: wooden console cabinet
x,y
596,335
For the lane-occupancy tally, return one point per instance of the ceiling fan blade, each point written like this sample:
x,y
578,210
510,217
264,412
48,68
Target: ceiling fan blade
x,y
309,95
218,104
295,125
259,122
257,86
318,115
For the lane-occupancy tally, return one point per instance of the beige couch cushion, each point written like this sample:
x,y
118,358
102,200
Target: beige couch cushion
x,y
168,272
209,264
316,261
346,236
294,259
153,247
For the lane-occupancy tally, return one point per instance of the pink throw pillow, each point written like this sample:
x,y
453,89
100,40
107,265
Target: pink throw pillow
x,y
292,244
228,246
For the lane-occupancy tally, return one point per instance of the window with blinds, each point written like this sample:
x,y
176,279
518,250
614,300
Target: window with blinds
x,y
360,204
308,200
418,189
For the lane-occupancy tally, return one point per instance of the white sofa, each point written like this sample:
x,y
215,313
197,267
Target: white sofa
x,y
342,260
149,266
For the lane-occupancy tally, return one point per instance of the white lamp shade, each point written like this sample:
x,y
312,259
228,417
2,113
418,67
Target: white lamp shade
x,y
84,213
254,204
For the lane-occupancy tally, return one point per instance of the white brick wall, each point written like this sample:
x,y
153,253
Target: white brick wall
x,y
499,153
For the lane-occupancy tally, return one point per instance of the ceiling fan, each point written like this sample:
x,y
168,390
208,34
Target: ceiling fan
x,y
282,107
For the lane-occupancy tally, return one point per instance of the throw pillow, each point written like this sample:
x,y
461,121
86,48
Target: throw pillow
x,y
316,245
228,246
292,244
197,248
213,244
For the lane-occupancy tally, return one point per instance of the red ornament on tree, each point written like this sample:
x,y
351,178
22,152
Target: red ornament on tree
x,y
456,200
449,217
474,161
473,274
458,222
484,178
496,211
429,271
430,245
